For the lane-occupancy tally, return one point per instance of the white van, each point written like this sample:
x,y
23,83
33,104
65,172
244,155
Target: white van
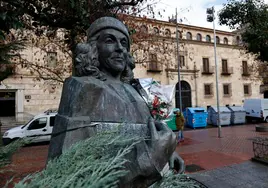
x,y
38,129
256,109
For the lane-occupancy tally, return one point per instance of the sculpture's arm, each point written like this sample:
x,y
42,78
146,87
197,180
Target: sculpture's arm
x,y
176,163
150,156
162,147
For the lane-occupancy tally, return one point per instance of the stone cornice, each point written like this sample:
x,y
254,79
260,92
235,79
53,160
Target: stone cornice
x,y
184,26
186,41
182,70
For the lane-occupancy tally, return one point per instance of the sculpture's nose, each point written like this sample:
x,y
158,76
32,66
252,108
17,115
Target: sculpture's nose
x,y
119,47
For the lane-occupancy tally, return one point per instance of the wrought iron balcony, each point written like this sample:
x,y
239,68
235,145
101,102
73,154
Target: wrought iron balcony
x,y
246,73
154,66
208,70
227,71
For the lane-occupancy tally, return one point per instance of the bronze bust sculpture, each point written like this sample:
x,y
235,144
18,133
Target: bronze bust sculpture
x,y
100,97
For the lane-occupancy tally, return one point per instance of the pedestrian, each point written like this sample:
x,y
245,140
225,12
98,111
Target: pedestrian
x,y
179,125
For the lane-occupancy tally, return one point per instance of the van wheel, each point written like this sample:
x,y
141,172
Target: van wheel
x,y
249,119
14,139
266,119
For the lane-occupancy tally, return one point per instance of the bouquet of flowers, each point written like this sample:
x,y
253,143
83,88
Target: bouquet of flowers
x,y
158,108
159,97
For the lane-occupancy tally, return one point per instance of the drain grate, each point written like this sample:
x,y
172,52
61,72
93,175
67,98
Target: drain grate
x,y
193,168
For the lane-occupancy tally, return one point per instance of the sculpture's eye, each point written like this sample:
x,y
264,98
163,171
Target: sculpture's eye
x,y
109,40
124,43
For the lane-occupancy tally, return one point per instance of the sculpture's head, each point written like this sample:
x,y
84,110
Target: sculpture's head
x,y
106,53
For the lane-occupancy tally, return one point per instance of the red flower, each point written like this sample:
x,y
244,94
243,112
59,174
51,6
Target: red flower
x,y
154,112
155,102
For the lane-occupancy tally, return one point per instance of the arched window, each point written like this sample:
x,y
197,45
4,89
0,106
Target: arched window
x,y
189,36
144,29
217,40
156,31
167,33
208,38
225,40
199,37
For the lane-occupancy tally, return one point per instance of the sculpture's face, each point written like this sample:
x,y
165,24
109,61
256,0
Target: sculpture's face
x,y
112,48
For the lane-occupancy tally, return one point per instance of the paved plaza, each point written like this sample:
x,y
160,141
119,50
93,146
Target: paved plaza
x,y
214,161
202,147
244,175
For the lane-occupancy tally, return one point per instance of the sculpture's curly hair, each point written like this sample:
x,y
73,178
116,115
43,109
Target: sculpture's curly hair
x,y
87,63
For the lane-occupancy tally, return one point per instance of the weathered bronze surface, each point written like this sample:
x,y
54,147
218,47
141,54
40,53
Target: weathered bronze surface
x,y
100,97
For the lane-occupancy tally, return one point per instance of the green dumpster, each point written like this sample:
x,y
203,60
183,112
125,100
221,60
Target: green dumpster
x,y
171,119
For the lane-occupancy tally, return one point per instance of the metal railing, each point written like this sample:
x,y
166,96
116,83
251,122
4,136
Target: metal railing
x,y
227,71
208,70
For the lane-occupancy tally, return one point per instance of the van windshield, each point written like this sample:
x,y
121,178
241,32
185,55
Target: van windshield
x,y
26,123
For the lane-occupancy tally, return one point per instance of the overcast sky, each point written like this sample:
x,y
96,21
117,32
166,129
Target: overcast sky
x,y
192,12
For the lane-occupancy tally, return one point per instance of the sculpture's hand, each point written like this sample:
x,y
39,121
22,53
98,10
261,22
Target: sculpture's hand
x,y
162,143
176,163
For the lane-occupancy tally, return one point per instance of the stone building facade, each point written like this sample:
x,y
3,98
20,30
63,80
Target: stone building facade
x,y
25,94
237,79
28,96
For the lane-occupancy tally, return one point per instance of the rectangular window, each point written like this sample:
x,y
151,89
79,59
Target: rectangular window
x,y
247,89
153,62
245,67
51,59
206,64
224,66
227,89
182,61
208,89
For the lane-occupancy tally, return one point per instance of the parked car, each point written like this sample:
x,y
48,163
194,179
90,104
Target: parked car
x,y
256,109
38,129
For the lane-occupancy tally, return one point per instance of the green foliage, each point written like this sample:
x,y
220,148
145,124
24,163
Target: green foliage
x,y
7,151
45,17
96,162
8,50
251,18
75,16
9,18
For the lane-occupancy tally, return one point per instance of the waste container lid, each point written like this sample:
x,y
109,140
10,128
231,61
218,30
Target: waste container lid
x,y
222,109
237,108
196,109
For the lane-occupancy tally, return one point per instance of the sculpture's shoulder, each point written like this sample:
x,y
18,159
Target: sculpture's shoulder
x,y
102,100
82,81
93,85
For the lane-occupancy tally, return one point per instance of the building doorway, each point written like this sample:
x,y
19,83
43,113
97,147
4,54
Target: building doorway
x,y
265,95
7,104
186,95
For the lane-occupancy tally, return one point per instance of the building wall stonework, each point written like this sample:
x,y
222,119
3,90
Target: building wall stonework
x,y
194,51
34,96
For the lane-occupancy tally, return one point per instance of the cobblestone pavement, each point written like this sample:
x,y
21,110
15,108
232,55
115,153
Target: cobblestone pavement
x,y
245,175
202,149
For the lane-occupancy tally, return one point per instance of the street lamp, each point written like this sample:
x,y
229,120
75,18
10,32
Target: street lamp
x,y
178,56
211,18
